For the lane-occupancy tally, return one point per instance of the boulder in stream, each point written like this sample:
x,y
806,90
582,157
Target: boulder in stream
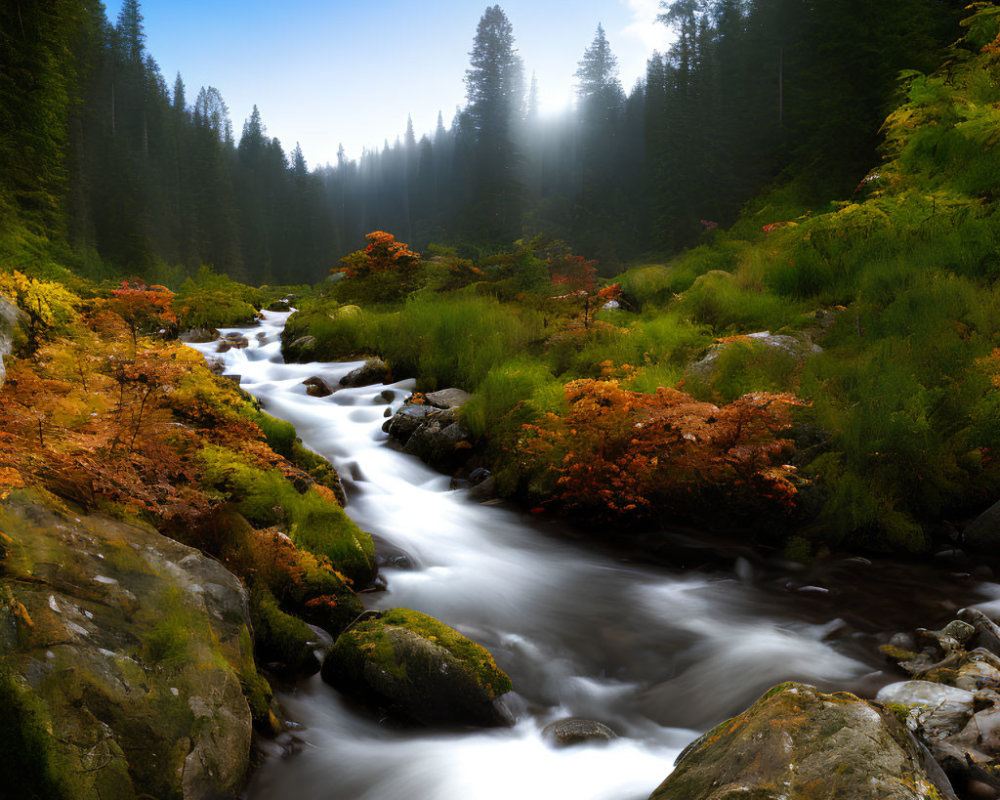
x,y
317,387
796,743
419,668
198,335
374,370
434,435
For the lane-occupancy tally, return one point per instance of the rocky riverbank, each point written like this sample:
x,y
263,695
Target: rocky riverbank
x,y
126,660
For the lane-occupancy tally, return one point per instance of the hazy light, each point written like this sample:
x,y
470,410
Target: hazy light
x,y
326,72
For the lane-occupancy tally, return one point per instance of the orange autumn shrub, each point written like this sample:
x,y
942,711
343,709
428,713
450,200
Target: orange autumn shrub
x,y
619,454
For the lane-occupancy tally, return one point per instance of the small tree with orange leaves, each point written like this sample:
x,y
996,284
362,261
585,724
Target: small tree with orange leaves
x,y
580,276
385,270
144,307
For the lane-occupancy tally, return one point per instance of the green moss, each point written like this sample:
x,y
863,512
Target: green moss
x,y
280,637
898,710
30,760
316,524
125,559
255,688
210,300
474,656
280,435
319,469
167,645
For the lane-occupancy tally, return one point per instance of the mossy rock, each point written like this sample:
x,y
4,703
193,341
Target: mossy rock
x,y
420,668
797,743
124,657
282,641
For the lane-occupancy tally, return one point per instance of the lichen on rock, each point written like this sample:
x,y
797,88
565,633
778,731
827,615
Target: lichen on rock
x,y
124,658
796,743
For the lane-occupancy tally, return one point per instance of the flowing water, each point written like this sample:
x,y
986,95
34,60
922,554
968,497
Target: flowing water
x,y
656,653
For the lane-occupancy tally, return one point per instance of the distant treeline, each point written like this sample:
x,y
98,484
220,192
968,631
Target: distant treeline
x,y
98,151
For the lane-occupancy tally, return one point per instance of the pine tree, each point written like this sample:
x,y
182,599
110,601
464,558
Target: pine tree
x,y
495,92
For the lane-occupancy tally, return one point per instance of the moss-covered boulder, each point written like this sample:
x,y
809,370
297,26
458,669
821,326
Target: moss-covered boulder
x,y
126,664
418,668
797,743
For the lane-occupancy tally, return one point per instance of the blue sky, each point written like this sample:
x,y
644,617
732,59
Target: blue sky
x,y
323,73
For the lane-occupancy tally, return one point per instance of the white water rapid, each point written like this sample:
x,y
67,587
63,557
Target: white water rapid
x,y
656,654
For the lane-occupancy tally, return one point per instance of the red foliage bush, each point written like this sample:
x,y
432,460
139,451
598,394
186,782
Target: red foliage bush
x,y
621,454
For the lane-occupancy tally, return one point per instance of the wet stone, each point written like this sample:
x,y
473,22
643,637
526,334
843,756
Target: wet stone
x,y
317,387
575,731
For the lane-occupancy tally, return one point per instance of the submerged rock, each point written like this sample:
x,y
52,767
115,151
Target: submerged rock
x,y
574,731
122,660
797,743
420,668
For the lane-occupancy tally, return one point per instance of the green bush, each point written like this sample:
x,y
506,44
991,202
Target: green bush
x,y
742,367
210,300
717,301
266,497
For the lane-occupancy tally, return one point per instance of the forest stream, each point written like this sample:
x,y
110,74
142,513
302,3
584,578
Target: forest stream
x,y
659,654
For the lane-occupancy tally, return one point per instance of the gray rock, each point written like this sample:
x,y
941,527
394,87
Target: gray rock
x,y
11,320
936,710
980,739
432,434
983,533
573,731
795,739
406,421
987,631
791,346
441,443
447,398
374,370
136,646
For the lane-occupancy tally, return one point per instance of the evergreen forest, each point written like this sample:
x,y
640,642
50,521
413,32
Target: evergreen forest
x,y
141,175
